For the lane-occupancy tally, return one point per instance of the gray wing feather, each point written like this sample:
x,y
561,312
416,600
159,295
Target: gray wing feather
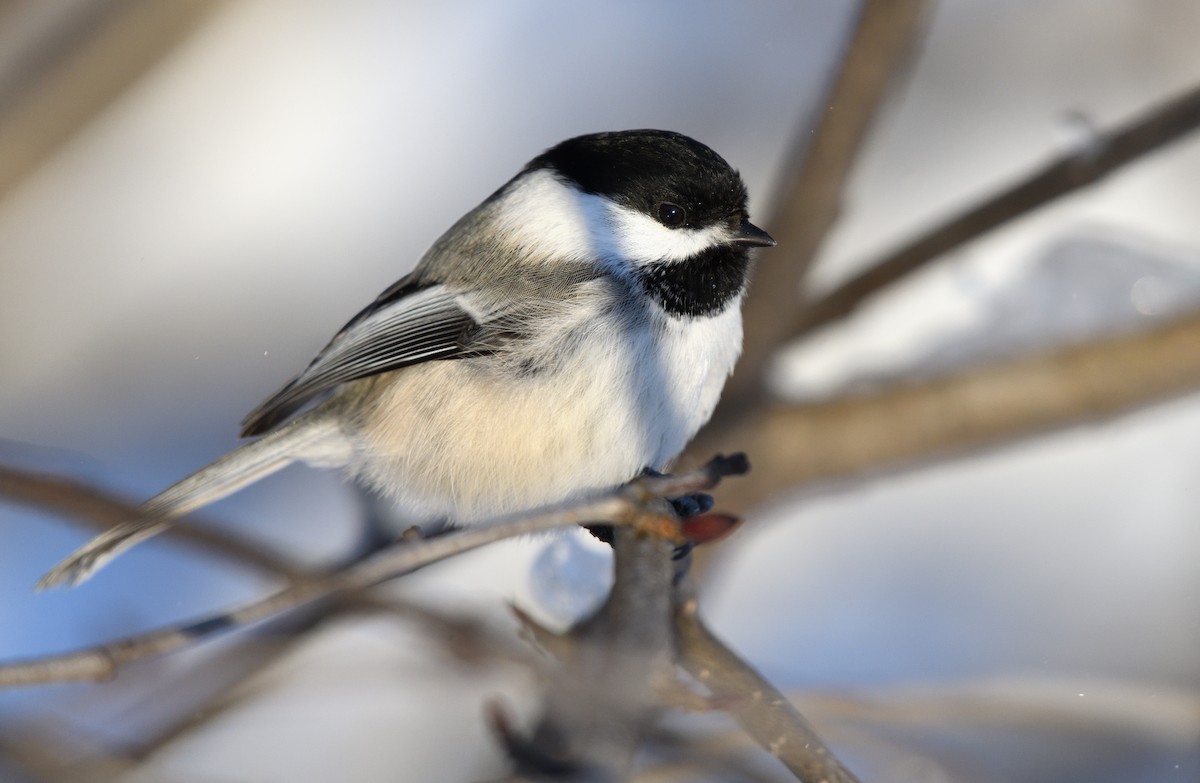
x,y
404,326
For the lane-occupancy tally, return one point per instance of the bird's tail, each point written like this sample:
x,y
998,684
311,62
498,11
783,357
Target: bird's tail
x,y
316,437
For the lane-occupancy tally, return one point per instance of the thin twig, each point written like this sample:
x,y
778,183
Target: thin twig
x,y
758,707
1114,707
626,506
101,663
702,478
76,76
1090,163
102,510
678,756
52,755
228,679
811,197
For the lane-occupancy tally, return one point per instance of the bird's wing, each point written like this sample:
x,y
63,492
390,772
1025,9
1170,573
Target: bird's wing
x,y
409,323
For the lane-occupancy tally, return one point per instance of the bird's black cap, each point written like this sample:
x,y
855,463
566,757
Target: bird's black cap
x,y
644,168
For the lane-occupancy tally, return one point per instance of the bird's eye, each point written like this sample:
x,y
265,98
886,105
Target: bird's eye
x,y
671,215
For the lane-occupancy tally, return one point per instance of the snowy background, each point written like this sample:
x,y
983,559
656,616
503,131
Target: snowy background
x,y
195,244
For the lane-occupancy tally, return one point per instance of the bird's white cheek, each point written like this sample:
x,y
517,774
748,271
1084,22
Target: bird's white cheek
x,y
555,222
640,238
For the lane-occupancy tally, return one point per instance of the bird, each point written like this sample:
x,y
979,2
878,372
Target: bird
x,y
572,331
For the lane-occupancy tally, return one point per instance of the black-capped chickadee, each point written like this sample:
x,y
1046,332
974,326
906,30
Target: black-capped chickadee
x,y
572,330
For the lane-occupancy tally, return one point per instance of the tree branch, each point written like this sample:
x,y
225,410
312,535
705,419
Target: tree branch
x,y
727,755
1108,153
102,510
102,662
629,506
603,695
85,71
602,698
798,444
810,200
759,708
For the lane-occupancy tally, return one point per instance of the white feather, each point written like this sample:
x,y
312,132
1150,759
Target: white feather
x,y
552,219
630,393
625,385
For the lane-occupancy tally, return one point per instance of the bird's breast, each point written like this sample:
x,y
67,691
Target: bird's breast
x,y
476,438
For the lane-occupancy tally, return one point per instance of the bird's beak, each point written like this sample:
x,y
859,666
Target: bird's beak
x,y
751,235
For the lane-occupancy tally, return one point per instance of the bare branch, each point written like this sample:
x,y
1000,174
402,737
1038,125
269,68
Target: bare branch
x,y
102,662
690,756
761,710
629,506
602,699
85,71
603,696
102,510
1106,154
798,444
49,755
704,477
224,682
1115,707
810,200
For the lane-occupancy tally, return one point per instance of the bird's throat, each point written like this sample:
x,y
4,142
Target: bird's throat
x,y
700,286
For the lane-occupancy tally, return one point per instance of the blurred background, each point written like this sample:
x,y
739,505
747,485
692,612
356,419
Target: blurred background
x,y
195,195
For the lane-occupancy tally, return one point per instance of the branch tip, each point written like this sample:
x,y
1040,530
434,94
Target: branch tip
x,y
736,464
